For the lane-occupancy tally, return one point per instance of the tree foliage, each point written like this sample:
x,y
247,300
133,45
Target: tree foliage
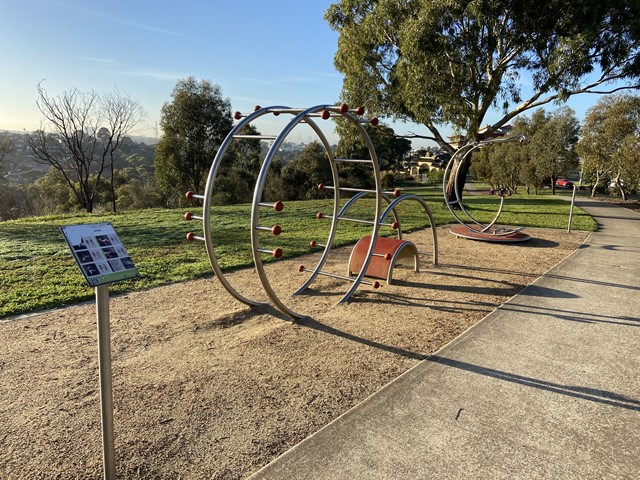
x,y
610,143
389,148
301,176
194,125
80,136
444,63
548,154
553,145
6,147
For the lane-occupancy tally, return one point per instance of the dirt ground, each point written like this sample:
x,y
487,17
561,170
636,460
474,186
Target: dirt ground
x,y
205,387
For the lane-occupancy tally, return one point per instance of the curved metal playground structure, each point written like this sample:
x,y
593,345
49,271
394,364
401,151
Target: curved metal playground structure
x,y
470,227
370,256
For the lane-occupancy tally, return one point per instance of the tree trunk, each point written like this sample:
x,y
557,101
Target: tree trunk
x,y
113,190
459,170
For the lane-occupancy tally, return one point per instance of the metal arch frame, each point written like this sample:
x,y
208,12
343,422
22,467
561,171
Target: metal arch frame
x,y
304,115
259,187
434,233
301,115
329,243
206,217
465,151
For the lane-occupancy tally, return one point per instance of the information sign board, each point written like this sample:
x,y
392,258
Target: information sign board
x,y
99,253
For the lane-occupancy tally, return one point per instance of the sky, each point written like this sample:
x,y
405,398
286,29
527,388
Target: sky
x,y
277,52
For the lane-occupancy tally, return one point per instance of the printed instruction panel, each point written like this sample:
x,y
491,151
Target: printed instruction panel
x,y
99,253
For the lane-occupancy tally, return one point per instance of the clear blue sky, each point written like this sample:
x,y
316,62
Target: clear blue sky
x,y
277,52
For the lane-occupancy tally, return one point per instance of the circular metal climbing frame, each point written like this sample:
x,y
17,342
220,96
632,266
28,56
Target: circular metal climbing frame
x,y
475,229
308,116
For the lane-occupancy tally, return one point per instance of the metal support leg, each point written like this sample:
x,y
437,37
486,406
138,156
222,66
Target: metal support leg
x,y
106,395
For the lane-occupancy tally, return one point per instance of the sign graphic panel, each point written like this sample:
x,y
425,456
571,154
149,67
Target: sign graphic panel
x,y
99,253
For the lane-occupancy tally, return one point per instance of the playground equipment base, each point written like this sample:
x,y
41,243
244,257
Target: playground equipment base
x,y
490,236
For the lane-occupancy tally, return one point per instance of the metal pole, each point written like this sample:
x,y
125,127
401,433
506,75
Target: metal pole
x,y
573,199
106,396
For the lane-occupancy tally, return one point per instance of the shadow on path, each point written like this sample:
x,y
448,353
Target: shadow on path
x,y
585,393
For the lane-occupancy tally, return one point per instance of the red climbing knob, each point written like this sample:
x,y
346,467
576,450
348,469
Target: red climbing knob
x,y
278,206
387,256
277,252
375,121
188,216
325,114
191,236
396,193
344,108
376,284
395,225
301,268
276,230
319,215
237,115
360,111
189,195
312,244
256,108
321,186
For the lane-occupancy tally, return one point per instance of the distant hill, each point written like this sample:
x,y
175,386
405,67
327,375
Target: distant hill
x,y
21,167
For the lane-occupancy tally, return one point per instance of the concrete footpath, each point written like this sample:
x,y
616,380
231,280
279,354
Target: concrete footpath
x,y
546,386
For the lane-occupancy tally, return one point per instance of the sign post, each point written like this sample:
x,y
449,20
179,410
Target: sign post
x,y
106,395
102,259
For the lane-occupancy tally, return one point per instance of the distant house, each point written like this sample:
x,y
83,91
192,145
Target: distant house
x,y
425,161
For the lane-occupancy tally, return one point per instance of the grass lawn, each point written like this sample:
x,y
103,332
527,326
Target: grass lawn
x,y
37,270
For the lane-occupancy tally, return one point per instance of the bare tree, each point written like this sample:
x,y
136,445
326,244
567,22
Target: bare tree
x,y
73,146
121,115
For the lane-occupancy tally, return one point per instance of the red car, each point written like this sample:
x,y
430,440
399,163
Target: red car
x,y
564,183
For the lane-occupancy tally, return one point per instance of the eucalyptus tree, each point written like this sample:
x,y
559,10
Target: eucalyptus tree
x,y
446,64
552,145
194,125
610,143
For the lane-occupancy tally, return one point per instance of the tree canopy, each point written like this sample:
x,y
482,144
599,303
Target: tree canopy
x,y
548,155
194,125
447,63
610,143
